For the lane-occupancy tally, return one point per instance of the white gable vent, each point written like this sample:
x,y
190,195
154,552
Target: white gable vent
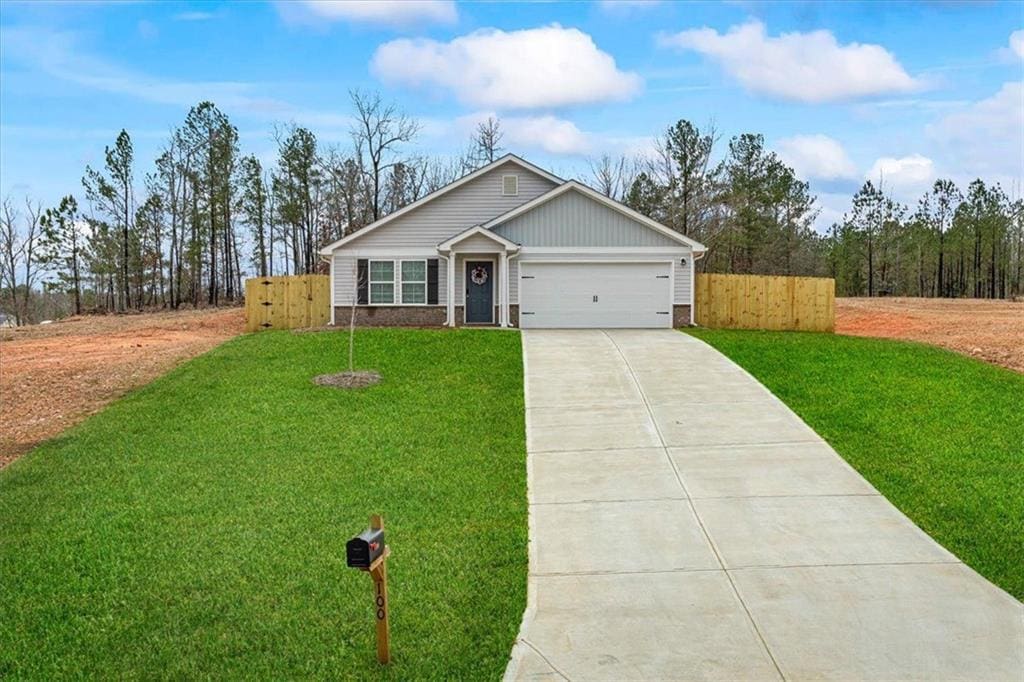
x,y
509,185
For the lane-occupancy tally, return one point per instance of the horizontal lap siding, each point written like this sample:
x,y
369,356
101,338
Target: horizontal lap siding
x,y
681,273
478,243
345,276
471,204
574,219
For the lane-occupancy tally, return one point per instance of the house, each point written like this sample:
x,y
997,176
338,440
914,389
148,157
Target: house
x,y
512,245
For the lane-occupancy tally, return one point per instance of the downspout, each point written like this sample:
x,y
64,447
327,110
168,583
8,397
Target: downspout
x,y
330,261
448,307
693,280
508,290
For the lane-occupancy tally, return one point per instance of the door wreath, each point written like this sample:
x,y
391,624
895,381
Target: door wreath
x,y
479,275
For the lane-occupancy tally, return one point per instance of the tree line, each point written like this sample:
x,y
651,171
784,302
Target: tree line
x,y
186,230
756,217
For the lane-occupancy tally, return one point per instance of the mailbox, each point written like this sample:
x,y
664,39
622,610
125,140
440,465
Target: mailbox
x,y
363,549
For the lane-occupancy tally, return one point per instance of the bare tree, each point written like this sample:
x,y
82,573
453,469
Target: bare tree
x,y
613,177
20,250
379,130
486,141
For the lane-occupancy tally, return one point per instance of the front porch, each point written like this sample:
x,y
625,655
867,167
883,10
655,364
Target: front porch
x,y
478,279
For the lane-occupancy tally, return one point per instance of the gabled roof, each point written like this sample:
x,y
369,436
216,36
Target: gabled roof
x,y
602,199
326,251
481,230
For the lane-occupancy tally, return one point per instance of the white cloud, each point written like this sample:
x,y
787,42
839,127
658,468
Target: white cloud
x,y
905,177
816,157
547,133
805,67
394,13
1017,43
534,68
987,137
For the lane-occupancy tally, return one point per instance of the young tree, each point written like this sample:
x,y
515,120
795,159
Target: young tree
x,y
62,244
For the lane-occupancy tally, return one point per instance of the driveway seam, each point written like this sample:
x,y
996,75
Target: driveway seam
x,y
700,522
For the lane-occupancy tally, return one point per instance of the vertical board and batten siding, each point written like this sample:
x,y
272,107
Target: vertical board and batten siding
x,y
765,302
345,273
291,302
574,219
473,203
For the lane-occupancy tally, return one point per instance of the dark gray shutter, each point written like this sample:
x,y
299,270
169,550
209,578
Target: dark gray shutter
x,y
432,281
362,281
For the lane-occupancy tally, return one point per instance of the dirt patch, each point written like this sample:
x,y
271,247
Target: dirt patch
x,y
53,376
348,379
992,331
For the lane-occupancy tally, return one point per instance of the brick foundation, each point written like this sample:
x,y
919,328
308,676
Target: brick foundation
x,y
391,316
680,316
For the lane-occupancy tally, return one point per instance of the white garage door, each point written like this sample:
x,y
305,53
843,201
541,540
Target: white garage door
x,y
560,295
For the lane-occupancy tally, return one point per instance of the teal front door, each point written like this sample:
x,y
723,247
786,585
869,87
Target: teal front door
x,y
479,292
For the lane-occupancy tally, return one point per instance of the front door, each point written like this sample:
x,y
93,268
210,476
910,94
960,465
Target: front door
x,y
479,292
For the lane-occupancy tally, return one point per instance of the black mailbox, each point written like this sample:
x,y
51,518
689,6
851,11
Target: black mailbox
x,y
363,549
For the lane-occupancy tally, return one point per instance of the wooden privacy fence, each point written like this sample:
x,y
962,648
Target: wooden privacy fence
x,y
766,302
287,302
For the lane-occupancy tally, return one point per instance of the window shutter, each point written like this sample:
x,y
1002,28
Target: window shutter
x,y
362,281
432,281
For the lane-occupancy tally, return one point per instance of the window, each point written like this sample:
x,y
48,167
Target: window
x,y
414,282
382,281
510,185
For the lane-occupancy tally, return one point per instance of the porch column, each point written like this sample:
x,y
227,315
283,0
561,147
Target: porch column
x,y
505,316
451,288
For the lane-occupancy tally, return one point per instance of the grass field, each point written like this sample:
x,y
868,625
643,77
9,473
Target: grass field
x,y
940,435
196,527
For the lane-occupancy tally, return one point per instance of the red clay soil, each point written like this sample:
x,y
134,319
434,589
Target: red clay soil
x,y
992,331
53,376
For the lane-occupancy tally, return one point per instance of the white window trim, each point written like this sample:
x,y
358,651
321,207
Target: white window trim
x,y
370,281
424,281
396,283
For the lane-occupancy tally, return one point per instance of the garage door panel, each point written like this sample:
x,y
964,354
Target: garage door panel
x,y
553,295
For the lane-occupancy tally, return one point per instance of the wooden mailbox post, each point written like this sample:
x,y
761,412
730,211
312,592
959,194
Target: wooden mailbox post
x,y
368,552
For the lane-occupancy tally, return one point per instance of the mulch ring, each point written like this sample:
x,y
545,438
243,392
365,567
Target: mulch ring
x,y
348,379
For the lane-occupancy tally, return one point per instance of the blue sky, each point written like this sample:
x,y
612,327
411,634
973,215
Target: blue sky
x,y
843,91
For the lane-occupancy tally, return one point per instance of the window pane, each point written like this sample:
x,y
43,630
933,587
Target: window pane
x,y
414,271
382,271
382,293
414,293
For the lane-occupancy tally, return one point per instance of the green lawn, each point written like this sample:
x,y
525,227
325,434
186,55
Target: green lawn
x,y
939,434
196,528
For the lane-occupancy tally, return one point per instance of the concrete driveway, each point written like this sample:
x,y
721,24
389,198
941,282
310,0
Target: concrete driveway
x,y
685,524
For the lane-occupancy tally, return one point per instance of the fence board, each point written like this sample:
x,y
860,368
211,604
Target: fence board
x,y
287,302
765,302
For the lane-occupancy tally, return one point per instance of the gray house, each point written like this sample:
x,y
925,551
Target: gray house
x,y
512,245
